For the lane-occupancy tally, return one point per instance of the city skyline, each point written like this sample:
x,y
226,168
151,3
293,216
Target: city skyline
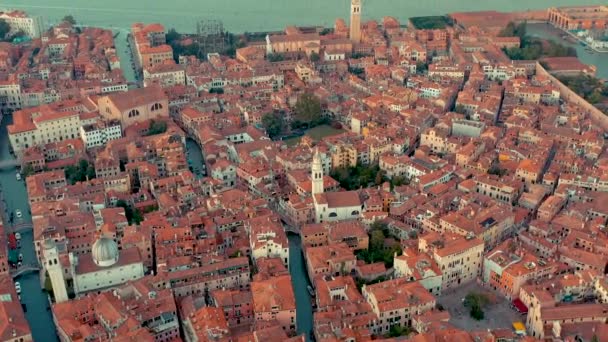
x,y
440,178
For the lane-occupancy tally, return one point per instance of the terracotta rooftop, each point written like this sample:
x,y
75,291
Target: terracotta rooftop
x,y
137,97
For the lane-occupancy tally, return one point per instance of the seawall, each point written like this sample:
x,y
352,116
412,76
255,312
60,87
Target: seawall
x,y
596,115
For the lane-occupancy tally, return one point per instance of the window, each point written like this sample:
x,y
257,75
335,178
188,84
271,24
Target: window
x,y
133,113
156,106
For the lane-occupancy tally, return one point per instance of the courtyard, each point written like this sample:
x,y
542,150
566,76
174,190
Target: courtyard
x,y
498,312
316,133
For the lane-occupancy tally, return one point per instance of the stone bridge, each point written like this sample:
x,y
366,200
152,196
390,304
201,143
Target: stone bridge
x,y
20,227
9,164
24,269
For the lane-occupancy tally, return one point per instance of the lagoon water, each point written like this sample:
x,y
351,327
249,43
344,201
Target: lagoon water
x,y
258,15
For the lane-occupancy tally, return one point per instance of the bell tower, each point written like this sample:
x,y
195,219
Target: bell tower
x,y
355,21
55,271
317,174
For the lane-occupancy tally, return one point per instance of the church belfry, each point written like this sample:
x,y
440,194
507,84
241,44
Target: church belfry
x,y
355,21
317,173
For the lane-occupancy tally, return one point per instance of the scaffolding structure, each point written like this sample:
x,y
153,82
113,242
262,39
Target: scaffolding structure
x,y
211,36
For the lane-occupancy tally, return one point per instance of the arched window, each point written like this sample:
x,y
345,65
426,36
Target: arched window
x,y
355,212
133,113
333,214
156,106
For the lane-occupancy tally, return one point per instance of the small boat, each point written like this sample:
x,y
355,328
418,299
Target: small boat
x,y
310,290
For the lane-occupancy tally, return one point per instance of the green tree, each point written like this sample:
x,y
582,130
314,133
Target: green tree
x,y
535,48
590,88
308,110
27,170
477,313
421,67
496,170
157,127
138,217
595,97
399,181
273,124
379,225
460,109
216,91
275,57
314,57
475,302
325,31
150,209
508,31
5,28
353,178
377,252
397,330
513,30
356,71
430,22
80,172
69,19
376,241
134,216
172,36
379,178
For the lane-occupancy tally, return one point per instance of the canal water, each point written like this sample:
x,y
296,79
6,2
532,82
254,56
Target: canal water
x,y
124,54
299,280
35,301
195,158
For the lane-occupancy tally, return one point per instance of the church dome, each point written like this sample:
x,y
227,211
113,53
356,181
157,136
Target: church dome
x,y
105,252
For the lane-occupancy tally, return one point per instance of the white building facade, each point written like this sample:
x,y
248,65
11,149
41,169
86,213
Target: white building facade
x,y
19,21
99,135
105,267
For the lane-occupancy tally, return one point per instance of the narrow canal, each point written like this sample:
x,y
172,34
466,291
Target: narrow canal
x,y
123,50
297,265
299,280
35,301
195,158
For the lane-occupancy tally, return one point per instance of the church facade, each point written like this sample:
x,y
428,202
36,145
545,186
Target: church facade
x,y
332,206
105,267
